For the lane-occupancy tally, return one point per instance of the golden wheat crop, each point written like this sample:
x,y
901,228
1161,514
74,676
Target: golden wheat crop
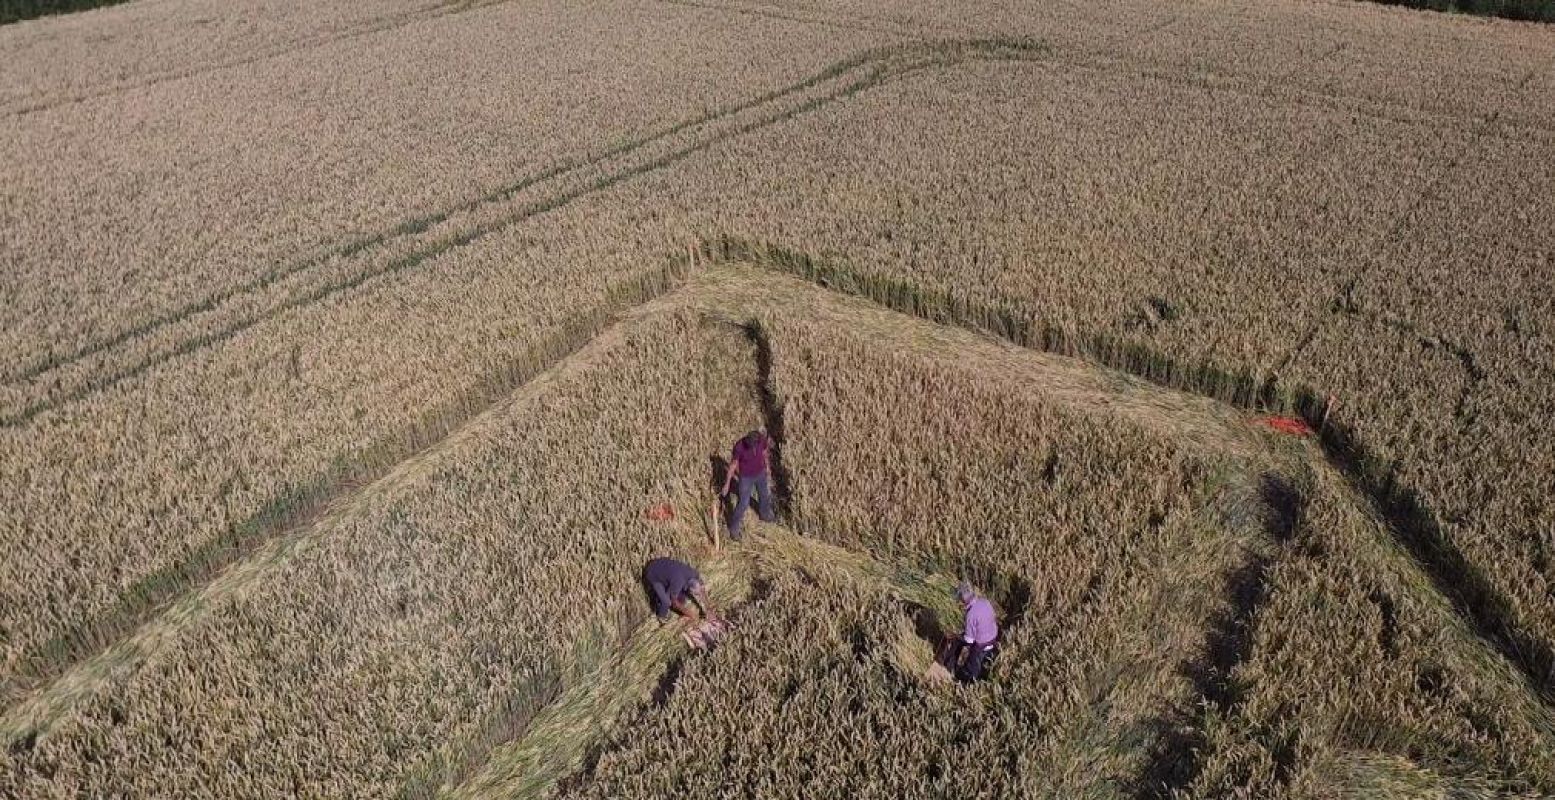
x,y
1314,238
1392,628
169,41
451,595
299,366
260,264
1111,575
141,502
1345,607
279,173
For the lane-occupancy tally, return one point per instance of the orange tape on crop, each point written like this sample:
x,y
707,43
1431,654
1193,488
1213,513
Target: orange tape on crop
x,y
1294,426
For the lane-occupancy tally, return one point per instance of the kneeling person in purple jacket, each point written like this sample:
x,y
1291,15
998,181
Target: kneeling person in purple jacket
x,y
670,583
978,639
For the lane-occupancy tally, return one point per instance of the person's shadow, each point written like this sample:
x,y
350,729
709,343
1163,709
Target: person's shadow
x,y
719,467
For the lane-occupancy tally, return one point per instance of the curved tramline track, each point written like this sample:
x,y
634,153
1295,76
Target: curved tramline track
x,y
540,737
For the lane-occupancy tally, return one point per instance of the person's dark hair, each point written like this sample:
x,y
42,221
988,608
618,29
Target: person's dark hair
x,y
753,437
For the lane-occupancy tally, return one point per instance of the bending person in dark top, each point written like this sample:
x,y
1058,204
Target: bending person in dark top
x,y
671,584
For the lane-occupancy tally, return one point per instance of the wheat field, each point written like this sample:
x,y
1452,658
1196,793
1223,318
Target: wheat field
x,y
347,347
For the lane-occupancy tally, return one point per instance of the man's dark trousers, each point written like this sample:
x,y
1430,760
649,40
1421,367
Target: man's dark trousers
x,y
972,668
760,485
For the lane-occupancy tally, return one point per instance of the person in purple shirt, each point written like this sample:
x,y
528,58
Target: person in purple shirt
x,y
978,638
748,461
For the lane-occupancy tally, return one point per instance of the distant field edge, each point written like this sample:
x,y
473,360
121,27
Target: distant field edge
x,y
1526,10
19,10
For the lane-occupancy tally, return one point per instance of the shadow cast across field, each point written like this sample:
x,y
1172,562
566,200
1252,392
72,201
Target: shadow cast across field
x,y
1174,761
927,625
772,417
1471,592
295,506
